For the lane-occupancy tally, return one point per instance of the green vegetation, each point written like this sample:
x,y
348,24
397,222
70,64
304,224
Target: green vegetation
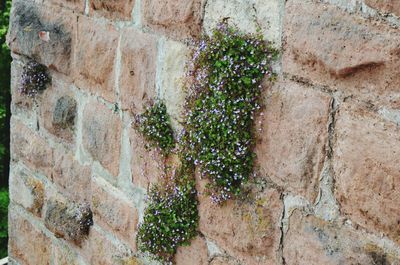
x,y
155,127
227,70
224,90
5,98
3,222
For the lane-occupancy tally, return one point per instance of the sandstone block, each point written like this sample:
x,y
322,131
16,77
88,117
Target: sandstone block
x,y
367,170
248,16
77,5
58,111
114,211
147,164
178,18
30,22
64,255
95,56
72,178
138,69
332,47
27,191
22,235
249,231
20,104
68,220
117,9
223,261
102,135
311,241
292,136
28,146
386,6
196,253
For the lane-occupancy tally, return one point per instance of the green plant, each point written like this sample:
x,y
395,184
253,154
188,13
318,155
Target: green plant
x,y
226,72
4,201
155,127
171,217
34,79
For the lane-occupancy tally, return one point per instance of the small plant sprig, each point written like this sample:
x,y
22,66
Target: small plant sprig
x,y
171,217
34,79
154,125
225,75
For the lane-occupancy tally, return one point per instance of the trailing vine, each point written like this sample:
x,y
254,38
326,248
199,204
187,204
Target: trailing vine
x,y
224,87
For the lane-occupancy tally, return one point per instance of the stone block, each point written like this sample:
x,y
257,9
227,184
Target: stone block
x,y
385,6
117,9
196,253
76,5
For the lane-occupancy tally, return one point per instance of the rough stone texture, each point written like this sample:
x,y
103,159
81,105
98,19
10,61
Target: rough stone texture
x,y
27,191
96,39
68,220
113,211
22,235
147,164
28,20
102,135
246,15
311,241
177,18
248,230
196,253
171,79
367,166
223,261
116,9
19,103
386,6
330,47
27,146
72,178
292,137
138,69
58,111
77,5
64,255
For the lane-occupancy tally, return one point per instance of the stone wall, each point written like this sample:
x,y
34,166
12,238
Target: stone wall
x,y
327,187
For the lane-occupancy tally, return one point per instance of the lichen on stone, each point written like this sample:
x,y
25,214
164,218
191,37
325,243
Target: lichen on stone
x,y
34,79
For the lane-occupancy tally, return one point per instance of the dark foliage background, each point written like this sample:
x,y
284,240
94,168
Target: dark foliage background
x,y
5,98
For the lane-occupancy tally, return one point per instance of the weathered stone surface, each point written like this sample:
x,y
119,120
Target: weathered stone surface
x,y
95,57
116,9
311,241
292,137
102,135
347,52
64,255
171,74
248,230
68,220
58,111
138,69
27,191
29,147
147,164
196,253
367,170
223,261
248,16
178,18
27,243
30,21
386,6
72,178
78,5
114,211
20,104
102,250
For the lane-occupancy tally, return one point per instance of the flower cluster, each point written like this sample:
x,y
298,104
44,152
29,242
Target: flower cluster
x,y
34,79
155,127
225,77
171,218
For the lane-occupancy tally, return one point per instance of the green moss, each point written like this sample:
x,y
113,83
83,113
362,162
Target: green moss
x,y
155,126
227,70
4,201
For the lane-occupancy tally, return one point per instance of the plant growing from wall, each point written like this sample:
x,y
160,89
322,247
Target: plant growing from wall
x,y
34,79
155,126
224,87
